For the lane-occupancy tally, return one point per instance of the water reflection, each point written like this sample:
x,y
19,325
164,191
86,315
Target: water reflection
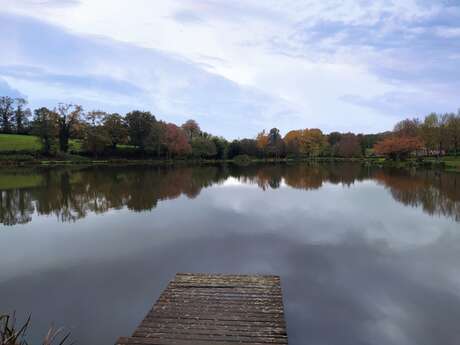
x,y
70,193
99,244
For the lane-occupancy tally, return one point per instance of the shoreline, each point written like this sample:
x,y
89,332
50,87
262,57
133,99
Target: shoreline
x,y
450,163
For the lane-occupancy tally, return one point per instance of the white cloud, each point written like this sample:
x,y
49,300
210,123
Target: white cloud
x,y
305,55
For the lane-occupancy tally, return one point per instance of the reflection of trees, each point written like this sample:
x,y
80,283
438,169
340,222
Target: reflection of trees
x,y
70,194
16,207
306,176
300,176
438,193
265,176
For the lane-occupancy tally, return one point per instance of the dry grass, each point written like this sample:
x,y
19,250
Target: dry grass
x,y
13,334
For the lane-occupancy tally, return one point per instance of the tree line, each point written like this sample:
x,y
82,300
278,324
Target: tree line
x,y
140,132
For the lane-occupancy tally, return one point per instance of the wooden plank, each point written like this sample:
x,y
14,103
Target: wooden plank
x,y
205,309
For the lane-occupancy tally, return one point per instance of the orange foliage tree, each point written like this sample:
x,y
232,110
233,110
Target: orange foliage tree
x,y
349,146
309,142
262,141
398,147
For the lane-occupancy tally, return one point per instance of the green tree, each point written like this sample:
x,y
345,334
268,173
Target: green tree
x,y
96,137
446,139
453,126
367,141
431,133
6,113
140,125
249,147
69,117
45,126
275,144
155,140
408,128
21,116
333,138
116,128
221,147
234,149
203,147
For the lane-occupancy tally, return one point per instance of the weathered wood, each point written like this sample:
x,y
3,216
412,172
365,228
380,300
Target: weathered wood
x,y
205,309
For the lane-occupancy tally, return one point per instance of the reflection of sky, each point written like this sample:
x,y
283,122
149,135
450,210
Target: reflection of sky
x,y
357,266
364,208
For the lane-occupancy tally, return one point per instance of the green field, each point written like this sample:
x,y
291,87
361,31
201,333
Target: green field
x,y
15,142
27,143
452,163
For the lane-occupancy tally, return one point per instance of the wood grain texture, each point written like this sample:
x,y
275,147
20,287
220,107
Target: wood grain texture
x,y
204,309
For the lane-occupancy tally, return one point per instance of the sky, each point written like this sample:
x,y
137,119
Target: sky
x,y
238,66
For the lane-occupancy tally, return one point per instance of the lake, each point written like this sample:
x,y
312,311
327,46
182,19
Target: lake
x,y
366,255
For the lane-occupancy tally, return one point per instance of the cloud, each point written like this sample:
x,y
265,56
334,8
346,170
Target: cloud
x,y
397,103
7,90
85,82
332,64
187,17
54,65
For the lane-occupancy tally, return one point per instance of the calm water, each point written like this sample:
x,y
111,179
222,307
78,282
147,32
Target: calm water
x,y
366,256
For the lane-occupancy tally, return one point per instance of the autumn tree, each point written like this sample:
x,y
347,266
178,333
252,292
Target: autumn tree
x,y
262,141
367,141
306,142
398,147
349,146
175,141
293,140
69,116
314,142
116,128
191,129
45,126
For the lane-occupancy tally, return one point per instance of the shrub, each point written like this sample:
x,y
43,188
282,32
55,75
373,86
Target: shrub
x,y
242,159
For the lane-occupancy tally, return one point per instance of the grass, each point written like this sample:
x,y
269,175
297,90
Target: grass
x,y
28,143
13,334
452,163
16,142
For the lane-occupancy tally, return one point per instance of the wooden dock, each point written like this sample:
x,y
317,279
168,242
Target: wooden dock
x,y
204,309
